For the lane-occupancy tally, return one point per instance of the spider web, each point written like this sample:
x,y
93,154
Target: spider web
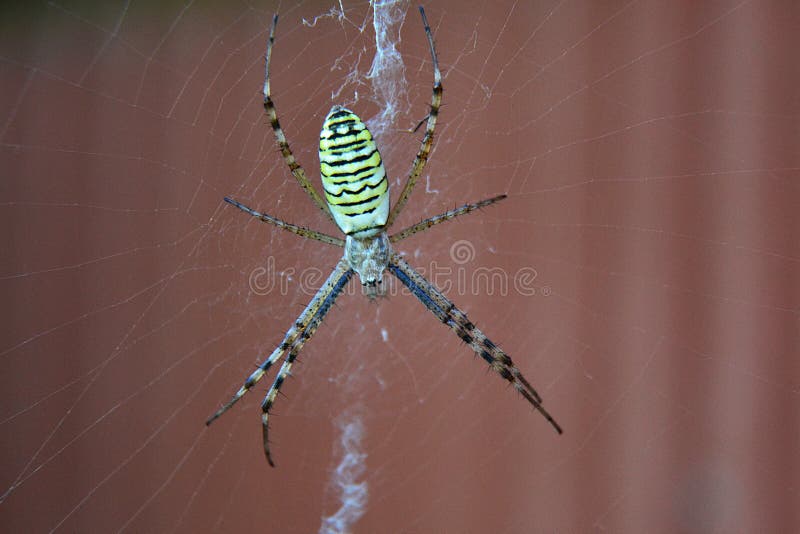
x,y
643,272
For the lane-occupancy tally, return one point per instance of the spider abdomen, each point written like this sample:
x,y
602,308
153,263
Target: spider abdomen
x,y
353,176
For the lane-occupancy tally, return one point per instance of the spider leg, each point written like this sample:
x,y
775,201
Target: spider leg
x,y
341,273
283,144
446,216
427,141
338,281
449,314
299,230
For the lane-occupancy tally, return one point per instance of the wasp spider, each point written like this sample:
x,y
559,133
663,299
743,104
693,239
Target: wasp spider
x,y
357,200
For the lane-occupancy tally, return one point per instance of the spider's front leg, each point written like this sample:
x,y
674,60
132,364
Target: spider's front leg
x,y
295,338
339,279
449,314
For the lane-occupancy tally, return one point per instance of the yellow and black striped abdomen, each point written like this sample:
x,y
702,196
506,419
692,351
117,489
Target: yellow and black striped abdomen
x,y
353,176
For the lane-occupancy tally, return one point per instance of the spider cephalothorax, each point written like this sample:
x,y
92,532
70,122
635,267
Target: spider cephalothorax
x,y
368,257
357,195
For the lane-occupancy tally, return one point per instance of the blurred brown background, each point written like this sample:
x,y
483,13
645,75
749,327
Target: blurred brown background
x,y
650,248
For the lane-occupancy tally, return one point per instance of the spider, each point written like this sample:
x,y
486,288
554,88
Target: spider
x,y
357,201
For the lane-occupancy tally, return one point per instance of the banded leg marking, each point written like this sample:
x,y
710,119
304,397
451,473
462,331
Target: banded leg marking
x,y
299,230
338,284
283,144
449,314
341,271
446,216
427,142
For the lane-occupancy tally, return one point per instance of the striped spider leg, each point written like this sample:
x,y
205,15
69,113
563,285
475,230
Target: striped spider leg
x,y
299,230
446,216
356,199
280,138
449,314
427,141
300,332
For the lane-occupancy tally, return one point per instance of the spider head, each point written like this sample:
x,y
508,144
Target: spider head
x,y
368,257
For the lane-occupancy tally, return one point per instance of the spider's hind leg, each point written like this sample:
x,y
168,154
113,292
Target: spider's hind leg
x,y
280,138
427,141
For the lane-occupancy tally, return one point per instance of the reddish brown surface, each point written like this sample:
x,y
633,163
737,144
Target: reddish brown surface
x,y
650,153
